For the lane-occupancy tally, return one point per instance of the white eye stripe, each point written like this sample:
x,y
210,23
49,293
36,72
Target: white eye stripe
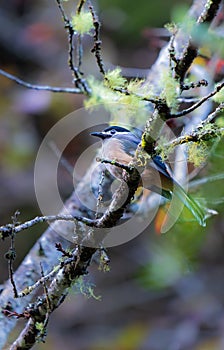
x,y
113,132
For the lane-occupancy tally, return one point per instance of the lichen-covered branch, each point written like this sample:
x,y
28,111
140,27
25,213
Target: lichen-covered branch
x,y
39,311
207,11
6,231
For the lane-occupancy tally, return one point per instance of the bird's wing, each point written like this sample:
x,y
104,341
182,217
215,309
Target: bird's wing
x,y
129,143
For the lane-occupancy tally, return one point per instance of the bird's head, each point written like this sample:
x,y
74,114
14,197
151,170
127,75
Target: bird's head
x,y
111,131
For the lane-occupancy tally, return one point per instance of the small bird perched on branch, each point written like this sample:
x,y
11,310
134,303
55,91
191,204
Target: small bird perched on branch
x,y
119,144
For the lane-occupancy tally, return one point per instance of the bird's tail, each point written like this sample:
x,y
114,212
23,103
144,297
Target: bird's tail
x,y
191,204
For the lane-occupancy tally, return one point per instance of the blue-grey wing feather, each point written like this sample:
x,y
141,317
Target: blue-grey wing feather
x,y
160,166
129,143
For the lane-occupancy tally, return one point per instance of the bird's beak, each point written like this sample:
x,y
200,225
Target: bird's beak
x,y
102,135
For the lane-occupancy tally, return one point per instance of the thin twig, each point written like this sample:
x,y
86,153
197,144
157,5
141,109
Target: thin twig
x,y
173,61
79,52
79,48
6,230
199,103
42,280
193,85
213,115
80,6
70,30
100,195
40,87
206,179
115,163
187,99
97,42
48,301
78,80
12,253
71,33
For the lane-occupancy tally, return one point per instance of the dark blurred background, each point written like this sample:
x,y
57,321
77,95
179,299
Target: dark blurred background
x,y
162,292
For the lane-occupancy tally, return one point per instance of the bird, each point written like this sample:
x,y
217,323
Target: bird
x,y
119,144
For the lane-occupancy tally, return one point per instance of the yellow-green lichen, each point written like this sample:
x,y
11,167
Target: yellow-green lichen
x,y
114,79
170,91
197,153
219,97
82,22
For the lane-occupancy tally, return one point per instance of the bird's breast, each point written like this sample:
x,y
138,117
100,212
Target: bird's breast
x,y
113,150
151,177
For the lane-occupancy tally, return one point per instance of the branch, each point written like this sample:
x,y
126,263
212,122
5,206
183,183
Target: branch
x,y
29,270
200,133
196,136
207,11
97,42
40,87
117,164
210,10
75,68
6,231
199,103
56,293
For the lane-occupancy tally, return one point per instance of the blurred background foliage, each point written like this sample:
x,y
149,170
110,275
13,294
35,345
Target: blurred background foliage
x,y
162,292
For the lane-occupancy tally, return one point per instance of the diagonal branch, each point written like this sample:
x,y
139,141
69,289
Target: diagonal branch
x,y
199,103
200,133
203,12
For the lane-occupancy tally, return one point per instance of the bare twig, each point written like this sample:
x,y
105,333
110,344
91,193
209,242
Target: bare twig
x,y
194,85
78,80
80,5
11,254
79,47
40,87
199,103
97,42
71,33
43,279
213,115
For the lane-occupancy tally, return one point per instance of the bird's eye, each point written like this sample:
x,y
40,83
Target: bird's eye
x,y
113,132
